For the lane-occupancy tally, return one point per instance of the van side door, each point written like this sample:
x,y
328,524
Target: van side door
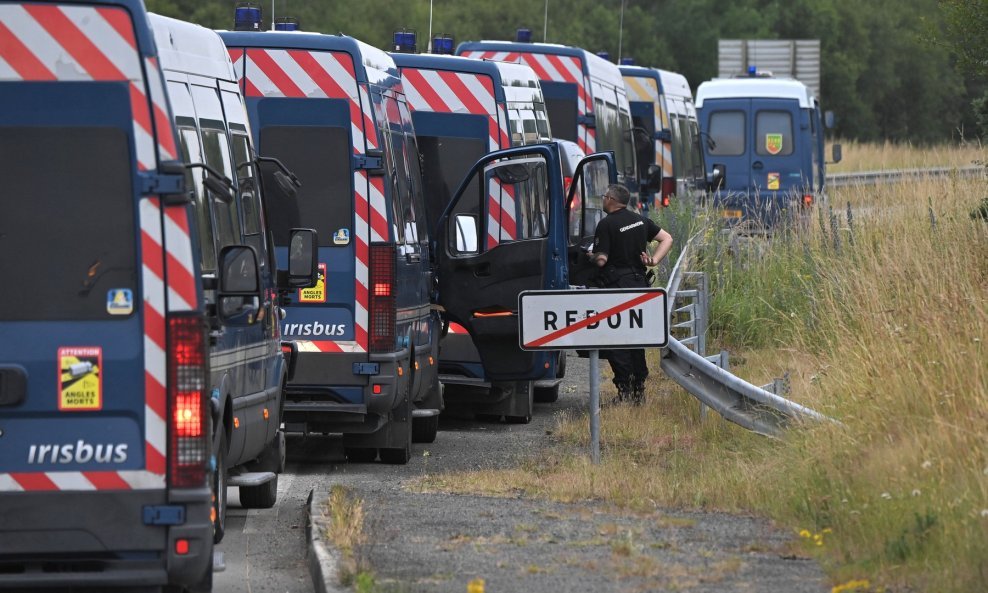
x,y
484,259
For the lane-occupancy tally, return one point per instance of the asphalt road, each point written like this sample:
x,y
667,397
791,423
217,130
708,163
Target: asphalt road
x,y
438,542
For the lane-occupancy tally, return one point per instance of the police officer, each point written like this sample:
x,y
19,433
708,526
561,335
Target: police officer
x,y
621,253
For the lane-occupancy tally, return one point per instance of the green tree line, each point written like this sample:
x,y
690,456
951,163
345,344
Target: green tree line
x,y
889,67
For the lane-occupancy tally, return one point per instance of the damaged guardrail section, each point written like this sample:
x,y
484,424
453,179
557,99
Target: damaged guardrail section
x,y
707,379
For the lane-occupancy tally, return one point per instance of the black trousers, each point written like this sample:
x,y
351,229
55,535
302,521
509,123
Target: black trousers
x,y
629,365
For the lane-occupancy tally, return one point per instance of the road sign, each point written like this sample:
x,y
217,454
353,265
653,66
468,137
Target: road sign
x,y
592,319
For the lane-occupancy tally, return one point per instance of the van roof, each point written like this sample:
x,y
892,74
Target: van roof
x,y
505,73
189,48
592,64
670,83
769,88
372,64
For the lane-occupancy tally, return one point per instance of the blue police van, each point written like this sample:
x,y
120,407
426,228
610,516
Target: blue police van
x,y
125,356
769,135
331,108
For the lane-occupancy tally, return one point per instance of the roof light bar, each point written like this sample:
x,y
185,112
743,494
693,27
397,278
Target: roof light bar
x,y
442,44
286,23
247,16
404,42
523,36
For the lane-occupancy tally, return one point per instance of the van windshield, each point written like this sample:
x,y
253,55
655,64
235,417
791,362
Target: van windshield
x,y
320,157
66,222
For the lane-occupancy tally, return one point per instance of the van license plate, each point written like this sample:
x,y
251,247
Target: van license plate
x,y
731,214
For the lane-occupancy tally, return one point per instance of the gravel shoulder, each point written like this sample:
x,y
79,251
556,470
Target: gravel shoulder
x,y
440,542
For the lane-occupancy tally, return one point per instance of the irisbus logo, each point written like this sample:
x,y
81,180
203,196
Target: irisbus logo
x,y
313,328
78,452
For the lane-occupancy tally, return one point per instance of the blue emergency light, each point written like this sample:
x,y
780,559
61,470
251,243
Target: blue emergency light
x,y
752,71
286,23
405,42
627,61
442,45
247,17
523,36
605,55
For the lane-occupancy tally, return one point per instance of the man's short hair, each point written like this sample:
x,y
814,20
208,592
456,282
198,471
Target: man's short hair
x,y
619,193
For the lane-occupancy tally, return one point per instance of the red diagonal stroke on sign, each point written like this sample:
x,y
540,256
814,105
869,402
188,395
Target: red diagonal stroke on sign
x,y
591,320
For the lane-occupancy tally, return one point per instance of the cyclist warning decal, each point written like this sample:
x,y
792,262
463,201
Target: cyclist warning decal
x,y
773,181
316,294
80,378
773,143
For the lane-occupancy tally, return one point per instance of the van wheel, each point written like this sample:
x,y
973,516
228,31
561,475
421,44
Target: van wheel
x,y
219,491
260,497
424,429
360,454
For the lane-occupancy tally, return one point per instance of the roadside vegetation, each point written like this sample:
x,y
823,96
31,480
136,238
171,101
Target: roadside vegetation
x,y
869,156
881,320
343,525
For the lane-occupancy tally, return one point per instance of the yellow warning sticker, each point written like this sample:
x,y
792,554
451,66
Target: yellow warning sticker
x,y
773,181
80,378
316,294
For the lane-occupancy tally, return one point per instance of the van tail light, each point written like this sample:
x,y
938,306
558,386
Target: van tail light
x,y
567,181
807,200
188,405
382,298
668,190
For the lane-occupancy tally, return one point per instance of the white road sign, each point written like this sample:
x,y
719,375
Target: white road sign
x,y
592,319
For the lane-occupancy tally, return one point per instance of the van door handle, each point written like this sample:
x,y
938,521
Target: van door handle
x,y
483,269
757,165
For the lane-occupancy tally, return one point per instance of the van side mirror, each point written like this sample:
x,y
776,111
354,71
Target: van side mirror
x,y
239,296
664,135
653,179
829,119
303,260
717,177
836,152
217,183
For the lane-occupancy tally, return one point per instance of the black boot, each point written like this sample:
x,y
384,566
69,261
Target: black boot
x,y
638,394
624,393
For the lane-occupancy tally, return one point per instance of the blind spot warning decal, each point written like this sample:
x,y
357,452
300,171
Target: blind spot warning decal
x,y
80,378
316,294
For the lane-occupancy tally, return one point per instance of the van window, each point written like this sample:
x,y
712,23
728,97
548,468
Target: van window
x,y
320,157
727,132
562,118
414,174
216,148
614,133
192,153
520,187
773,133
445,160
71,247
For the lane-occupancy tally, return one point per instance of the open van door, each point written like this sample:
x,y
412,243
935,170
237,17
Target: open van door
x,y
502,233
584,209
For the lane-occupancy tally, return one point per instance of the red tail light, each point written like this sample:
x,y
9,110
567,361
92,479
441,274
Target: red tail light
x,y
382,298
567,181
668,189
808,200
188,439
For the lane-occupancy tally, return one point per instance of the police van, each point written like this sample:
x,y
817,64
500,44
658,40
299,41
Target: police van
x,y
769,134
462,109
110,358
585,96
670,161
331,108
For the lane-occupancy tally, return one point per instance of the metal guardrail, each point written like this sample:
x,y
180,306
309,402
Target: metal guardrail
x,y
899,175
755,408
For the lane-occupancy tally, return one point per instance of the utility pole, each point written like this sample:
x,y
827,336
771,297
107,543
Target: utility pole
x,y
545,27
429,40
621,32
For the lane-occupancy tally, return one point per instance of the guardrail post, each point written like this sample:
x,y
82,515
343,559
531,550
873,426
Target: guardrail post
x,y
594,407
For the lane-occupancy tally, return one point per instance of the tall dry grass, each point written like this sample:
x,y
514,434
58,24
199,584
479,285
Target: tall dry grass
x,y
890,338
870,156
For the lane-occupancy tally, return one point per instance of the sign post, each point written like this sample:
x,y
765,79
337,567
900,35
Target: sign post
x,y
593,320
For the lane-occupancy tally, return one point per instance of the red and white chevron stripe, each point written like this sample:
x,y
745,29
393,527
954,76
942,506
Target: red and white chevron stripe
x,y
51,42
554,68
324,74
441,91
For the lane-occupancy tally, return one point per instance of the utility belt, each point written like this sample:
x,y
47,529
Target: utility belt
x,y
610,276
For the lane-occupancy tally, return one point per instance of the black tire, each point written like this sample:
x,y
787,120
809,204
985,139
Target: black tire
x,y
518,419
546,395
260,497
360,454
424,429
219,490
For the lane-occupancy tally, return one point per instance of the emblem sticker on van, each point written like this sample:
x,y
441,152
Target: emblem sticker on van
x,y
317,293
773,143
80,378
120,301
341,237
